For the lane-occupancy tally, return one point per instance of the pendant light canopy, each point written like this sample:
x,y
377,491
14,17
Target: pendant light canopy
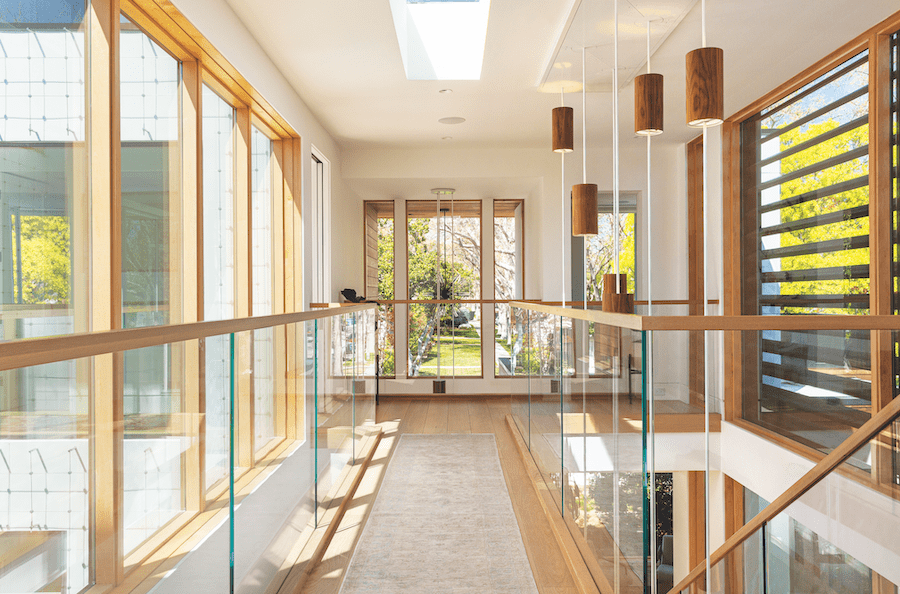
x,y
563,135
705,87
584,209
648,104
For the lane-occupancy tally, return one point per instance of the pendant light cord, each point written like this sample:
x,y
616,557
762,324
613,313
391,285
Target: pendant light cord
x,y
615,91
651,424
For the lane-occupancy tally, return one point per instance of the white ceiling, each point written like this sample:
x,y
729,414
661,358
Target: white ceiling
x,y
342,57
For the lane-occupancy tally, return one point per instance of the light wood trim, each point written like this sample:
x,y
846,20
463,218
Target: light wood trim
x,y
39,351
289,414
104,145
153,29
583,575
163,14
719,323
869,431
192,268
243,277
279,287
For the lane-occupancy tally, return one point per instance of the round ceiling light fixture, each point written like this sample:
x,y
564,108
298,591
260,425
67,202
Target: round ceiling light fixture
x,y
446,138
452,120
445,91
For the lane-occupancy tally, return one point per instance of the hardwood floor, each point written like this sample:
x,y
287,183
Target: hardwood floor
x,y
453,414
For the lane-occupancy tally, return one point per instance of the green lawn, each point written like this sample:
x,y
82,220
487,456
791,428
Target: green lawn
x,y
466,349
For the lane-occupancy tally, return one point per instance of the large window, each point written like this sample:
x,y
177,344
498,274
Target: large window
x,y
444,263
151,182
379,265
45,460
509,354
805,195
261,204
218,274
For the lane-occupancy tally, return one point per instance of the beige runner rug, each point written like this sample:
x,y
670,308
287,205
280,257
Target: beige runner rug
x,y
442,522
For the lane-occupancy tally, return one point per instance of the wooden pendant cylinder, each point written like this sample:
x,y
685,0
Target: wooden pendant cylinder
x,y
563,134
621,302
584,209
648,104
705,87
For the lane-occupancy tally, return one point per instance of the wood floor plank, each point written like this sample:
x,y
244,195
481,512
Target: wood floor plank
x,y
416,415
458,417
436,421
479,416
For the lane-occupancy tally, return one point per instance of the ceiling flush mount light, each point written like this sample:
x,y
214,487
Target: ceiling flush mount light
x,y
445,91
563,134
451,121
446,138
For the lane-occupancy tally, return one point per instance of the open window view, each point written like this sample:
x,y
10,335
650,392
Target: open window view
x,y
444,263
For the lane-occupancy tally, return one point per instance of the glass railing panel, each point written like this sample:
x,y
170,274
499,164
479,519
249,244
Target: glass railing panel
x,y
157,439
364,378
838,536
523,361
45,477
334,400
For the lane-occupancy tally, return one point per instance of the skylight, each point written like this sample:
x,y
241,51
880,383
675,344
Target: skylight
x,y
441,39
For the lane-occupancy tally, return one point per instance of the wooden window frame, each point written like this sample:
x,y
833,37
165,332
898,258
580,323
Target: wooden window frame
x,y
201,64
877,41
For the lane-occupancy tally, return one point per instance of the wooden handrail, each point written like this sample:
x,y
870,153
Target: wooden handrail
x,y
508,301
718,323
28,352
838,456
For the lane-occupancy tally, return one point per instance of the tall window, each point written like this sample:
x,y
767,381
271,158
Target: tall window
x,y
218,274
319,250
151,180
805,195
600,249
508,284
380,276
262,291
444,263
44,257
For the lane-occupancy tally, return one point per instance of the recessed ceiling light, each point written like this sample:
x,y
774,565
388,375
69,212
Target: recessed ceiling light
x,y
447,138
453,120
445,91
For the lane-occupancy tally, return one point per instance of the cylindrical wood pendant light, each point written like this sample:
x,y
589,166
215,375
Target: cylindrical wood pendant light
x,y
648,104
705,87
563,135
584,209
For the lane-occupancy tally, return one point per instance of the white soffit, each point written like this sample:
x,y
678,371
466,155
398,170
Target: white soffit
x,y
441,39
591,26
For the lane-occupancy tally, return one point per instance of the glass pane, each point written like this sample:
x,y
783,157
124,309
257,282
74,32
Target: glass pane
x,y
262,289
44,211
150,109
218,275
45,477
600,250
151,178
